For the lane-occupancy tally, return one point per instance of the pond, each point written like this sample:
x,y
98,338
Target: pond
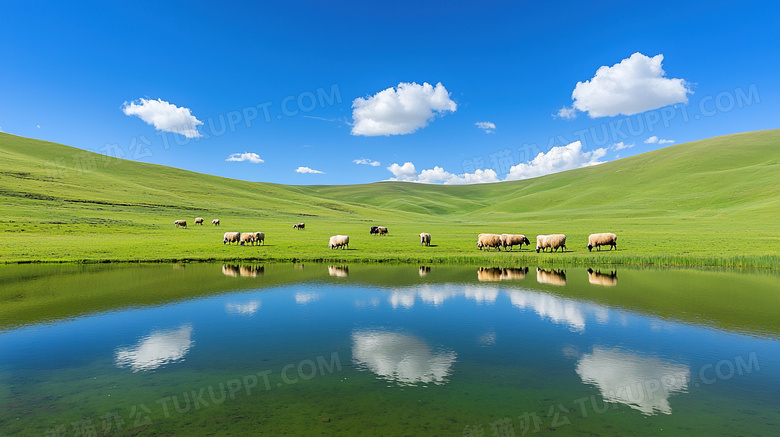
x,y
318,349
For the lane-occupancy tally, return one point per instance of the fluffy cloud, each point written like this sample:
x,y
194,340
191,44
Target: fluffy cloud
x,y
558,159
366,161
400,111
308,170
635,84
254,158
408,173
437,174
164,116
620,146
486,126
567,113
655,140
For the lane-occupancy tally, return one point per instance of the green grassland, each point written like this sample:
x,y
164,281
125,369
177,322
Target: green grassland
x,y
711,202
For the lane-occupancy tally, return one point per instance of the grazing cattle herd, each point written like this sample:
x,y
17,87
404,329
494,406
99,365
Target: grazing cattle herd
x,y
484,241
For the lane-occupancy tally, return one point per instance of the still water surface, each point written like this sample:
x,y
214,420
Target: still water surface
x,y
283,349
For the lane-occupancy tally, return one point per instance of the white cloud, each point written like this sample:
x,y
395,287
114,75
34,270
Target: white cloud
x,y
558,159
655,140
400,111
567,113
620,146
165,116
408,173
437,174
366,161
635,84
38,126
486,126
404,172
308,170
254,158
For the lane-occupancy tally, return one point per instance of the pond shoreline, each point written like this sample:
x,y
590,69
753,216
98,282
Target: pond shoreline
x,y
758,262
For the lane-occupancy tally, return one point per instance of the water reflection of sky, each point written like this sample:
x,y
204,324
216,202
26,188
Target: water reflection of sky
x,y
243,309
642,383
156,349
561,310
401,358
437,294
493,332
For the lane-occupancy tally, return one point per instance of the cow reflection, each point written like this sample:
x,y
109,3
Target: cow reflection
x,y
552,277
595,277
338,271
424,270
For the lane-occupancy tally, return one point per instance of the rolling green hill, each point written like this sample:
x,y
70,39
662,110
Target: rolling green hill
x,y
709,202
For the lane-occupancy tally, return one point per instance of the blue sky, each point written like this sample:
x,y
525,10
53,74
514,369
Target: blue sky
x,y
440,92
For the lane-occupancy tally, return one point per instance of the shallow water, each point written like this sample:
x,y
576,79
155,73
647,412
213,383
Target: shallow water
x,y
275,349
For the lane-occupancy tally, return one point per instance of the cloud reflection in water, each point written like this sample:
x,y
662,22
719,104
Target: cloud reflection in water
x,y
400,358
243,309
642,383
156,349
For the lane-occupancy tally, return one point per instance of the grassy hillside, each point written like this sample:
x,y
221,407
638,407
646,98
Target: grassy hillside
x,y
713,202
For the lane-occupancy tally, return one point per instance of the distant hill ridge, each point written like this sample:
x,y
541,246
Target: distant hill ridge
x,y
729,175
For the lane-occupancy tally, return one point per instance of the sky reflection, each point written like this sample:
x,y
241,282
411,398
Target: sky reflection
x,y
401,358
642,383
156,349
